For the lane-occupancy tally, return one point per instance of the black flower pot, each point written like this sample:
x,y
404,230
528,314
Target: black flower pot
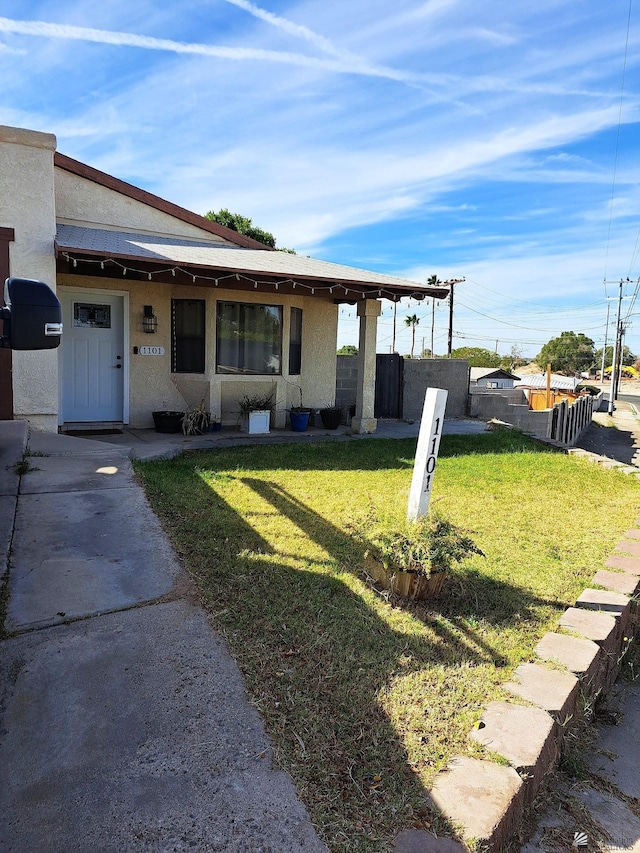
x,y
168,421
331,418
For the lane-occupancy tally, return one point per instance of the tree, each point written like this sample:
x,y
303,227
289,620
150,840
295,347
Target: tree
x,y
241,224
412,320
570,353
628,357
348,349
516,356
477,357
244,225
514,360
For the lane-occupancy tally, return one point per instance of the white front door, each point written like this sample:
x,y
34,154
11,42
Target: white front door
x,y
92,358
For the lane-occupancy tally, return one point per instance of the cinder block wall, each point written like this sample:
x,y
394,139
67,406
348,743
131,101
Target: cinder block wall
x,y
512,408
346,380
419,374
451,374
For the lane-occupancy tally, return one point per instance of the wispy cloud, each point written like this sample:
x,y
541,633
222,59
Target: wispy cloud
x,y
5,48
339,61
341,64
298,30
491,36
414,137
514,301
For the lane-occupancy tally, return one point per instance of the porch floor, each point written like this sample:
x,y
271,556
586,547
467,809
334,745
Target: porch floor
x,y
149,444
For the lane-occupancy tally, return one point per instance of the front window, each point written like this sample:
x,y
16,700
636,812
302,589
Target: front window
x,y
249,338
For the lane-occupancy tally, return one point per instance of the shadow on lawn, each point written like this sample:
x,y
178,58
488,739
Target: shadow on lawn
x,y
320,663
356,455
353,648
499,602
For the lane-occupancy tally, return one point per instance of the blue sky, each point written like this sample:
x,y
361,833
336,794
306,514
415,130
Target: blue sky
x,y
492,141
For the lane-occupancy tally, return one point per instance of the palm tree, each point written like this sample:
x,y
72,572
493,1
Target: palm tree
x,y
412,320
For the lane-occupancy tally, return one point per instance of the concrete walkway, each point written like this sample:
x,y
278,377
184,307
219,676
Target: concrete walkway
x,y
148,444
123,719
124,723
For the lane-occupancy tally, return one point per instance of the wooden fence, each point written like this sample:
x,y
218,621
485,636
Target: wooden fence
x,y
564,423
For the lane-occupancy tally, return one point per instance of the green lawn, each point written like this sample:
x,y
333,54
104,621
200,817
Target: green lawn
x,y
366,699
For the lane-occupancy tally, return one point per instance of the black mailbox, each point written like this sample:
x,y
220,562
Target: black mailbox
x,y
32,317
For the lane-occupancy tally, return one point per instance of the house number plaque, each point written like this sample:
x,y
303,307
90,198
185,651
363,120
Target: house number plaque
x,y
427,452
151,350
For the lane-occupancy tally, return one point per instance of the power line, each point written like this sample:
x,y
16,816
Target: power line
x,y
505,322
633,300
539,305
635,252
615,159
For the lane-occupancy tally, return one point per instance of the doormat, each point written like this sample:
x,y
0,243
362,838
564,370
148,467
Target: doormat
x,y
87,433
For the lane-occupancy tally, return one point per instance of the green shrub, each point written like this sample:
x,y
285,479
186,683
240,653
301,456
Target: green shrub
x,y
430,544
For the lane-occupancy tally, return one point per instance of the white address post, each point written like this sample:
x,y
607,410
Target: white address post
x,y
424,467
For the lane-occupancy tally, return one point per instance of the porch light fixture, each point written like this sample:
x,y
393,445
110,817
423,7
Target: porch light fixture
x,y
149,320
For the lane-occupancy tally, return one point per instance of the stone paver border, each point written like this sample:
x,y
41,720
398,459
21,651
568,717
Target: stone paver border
x,y
576,664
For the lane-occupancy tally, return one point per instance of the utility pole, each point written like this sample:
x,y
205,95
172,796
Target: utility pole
x,y
433,320
614,365
604,350
395,309
450,339
620,357
450,342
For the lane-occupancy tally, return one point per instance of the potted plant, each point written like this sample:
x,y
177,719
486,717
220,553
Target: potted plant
x,y
412,559
299,416
255,413
167,421
196,421
331,417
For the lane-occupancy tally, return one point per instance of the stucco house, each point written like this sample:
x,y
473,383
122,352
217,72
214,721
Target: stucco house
x,y
163,308
491,377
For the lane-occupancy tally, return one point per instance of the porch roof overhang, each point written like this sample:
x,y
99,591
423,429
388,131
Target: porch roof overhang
x,y
211,263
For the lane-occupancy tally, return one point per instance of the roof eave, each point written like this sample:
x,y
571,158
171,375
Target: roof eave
x,y
372,289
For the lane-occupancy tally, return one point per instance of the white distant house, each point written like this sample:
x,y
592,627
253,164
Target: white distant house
x,y
491,378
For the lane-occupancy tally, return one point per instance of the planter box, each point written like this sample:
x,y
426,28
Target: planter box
x,y
168,421
256,423
299,420
406,583
331,418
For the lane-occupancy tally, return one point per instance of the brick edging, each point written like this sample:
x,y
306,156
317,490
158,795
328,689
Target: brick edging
x,y
487,800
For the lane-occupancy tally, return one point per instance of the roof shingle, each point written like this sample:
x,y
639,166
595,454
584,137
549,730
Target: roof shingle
x,y
215,255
